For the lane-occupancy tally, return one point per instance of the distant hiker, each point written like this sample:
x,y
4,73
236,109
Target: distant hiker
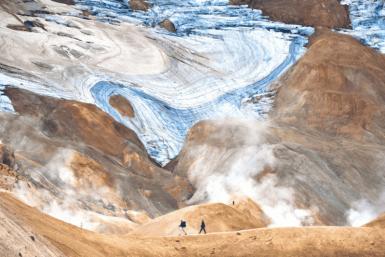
x,y
233,202
203,227
182,226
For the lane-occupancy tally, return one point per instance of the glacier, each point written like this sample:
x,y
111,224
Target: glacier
x,y
222,57
219,63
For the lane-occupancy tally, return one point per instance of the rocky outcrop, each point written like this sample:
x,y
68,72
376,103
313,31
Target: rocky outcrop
x,y
8,176
69,2
325,13
168,25
7,156
139,5
122,105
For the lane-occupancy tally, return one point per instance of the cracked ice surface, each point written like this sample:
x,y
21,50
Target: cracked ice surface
x,y
368,22
221,56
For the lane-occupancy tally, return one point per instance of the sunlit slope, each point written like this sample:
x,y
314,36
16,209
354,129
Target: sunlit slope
x,y
378,222
65,240
217,217
316,13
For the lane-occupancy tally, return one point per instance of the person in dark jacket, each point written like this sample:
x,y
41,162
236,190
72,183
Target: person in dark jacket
x,y
182,226
203,227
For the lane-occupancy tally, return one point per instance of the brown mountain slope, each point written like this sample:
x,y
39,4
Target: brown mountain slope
x,y
327,134
74,121
337,88
80,163
329,111
323,13
52,237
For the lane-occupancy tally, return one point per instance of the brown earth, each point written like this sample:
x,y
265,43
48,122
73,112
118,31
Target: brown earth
x,y
69,2
17,27
315,13
139,5
378,223
122,105
27,231
8,177
343,92
168,25
7,156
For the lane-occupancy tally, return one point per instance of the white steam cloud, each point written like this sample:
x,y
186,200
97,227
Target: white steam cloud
x,y
62,195
240,168
364,211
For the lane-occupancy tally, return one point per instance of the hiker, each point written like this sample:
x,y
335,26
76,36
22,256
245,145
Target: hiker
x,y
182,226
203,227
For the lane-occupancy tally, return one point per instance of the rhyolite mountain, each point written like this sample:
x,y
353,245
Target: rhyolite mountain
x,y
326,128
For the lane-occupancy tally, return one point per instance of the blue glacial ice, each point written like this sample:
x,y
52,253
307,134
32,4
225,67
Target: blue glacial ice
x,y
222,56
368,22
163,127
5,102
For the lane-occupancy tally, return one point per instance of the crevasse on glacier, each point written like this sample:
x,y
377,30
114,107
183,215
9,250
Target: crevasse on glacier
x,y
368,22
223,56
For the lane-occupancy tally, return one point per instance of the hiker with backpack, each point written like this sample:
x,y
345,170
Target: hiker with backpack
x,y
182,226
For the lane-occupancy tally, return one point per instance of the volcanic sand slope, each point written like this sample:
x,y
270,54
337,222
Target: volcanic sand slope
x,y
338,87
329,117
56,238
79,160
379,222
327,130
218,217
323,13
